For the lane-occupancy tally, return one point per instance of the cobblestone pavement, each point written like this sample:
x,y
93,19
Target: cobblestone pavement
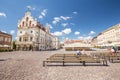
x,y
28,65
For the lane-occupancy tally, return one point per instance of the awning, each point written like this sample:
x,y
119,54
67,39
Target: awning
x,y
6,46
77,45
0,45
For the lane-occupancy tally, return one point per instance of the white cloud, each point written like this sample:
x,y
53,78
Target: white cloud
x,y
31,8
91,33
58,19
85,37
2,14
43,14
88,37
4,31
65,18
57,33
54,22
80,37
61,33
64,24
72,23
74,12
12,31
36,19
77,33
67,38
15,38
67,31
40,17
49,25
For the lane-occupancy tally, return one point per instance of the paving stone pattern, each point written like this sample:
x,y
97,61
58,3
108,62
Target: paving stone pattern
x,y
28,65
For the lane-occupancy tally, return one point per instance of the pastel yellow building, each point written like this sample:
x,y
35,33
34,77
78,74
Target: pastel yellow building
x,y
109,37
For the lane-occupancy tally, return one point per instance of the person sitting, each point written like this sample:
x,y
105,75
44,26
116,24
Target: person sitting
x,y
112,51
78,52
83,51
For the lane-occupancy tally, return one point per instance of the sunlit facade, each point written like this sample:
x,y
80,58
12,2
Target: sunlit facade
x,y
109,37
33,36
5,40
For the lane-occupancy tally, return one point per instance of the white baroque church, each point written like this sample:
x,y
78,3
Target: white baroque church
x,y
33,36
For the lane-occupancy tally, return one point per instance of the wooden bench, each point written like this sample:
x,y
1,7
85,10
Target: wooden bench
x,y
76,61
110,57
64,61
114,58
63,58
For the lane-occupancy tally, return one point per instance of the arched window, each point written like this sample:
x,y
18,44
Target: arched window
x,y
31,38
25,39
19,25
20,39
30,23
31,31
23,24
20,32
26,24
27,19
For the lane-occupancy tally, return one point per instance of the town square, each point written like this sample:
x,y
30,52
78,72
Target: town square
x,y
28,65
60,40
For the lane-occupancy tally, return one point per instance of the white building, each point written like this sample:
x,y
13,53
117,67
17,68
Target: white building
x,y
109,37
56,42
73,45
33,36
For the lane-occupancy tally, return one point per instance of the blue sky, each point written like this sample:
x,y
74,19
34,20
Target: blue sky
x,y
73,19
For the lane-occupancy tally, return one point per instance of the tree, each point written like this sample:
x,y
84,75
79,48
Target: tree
x,y
14,45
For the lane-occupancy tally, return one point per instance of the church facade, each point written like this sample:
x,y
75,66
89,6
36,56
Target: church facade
x,y
33,36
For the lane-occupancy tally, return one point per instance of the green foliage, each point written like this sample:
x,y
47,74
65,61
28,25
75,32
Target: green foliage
x,y
76,48
6,50
14,45
97,47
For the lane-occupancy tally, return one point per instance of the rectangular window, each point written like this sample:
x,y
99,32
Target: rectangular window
x,y
20,31
31,31
37,39
9,39
20,39
31,38
25,39
6,39
1,38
